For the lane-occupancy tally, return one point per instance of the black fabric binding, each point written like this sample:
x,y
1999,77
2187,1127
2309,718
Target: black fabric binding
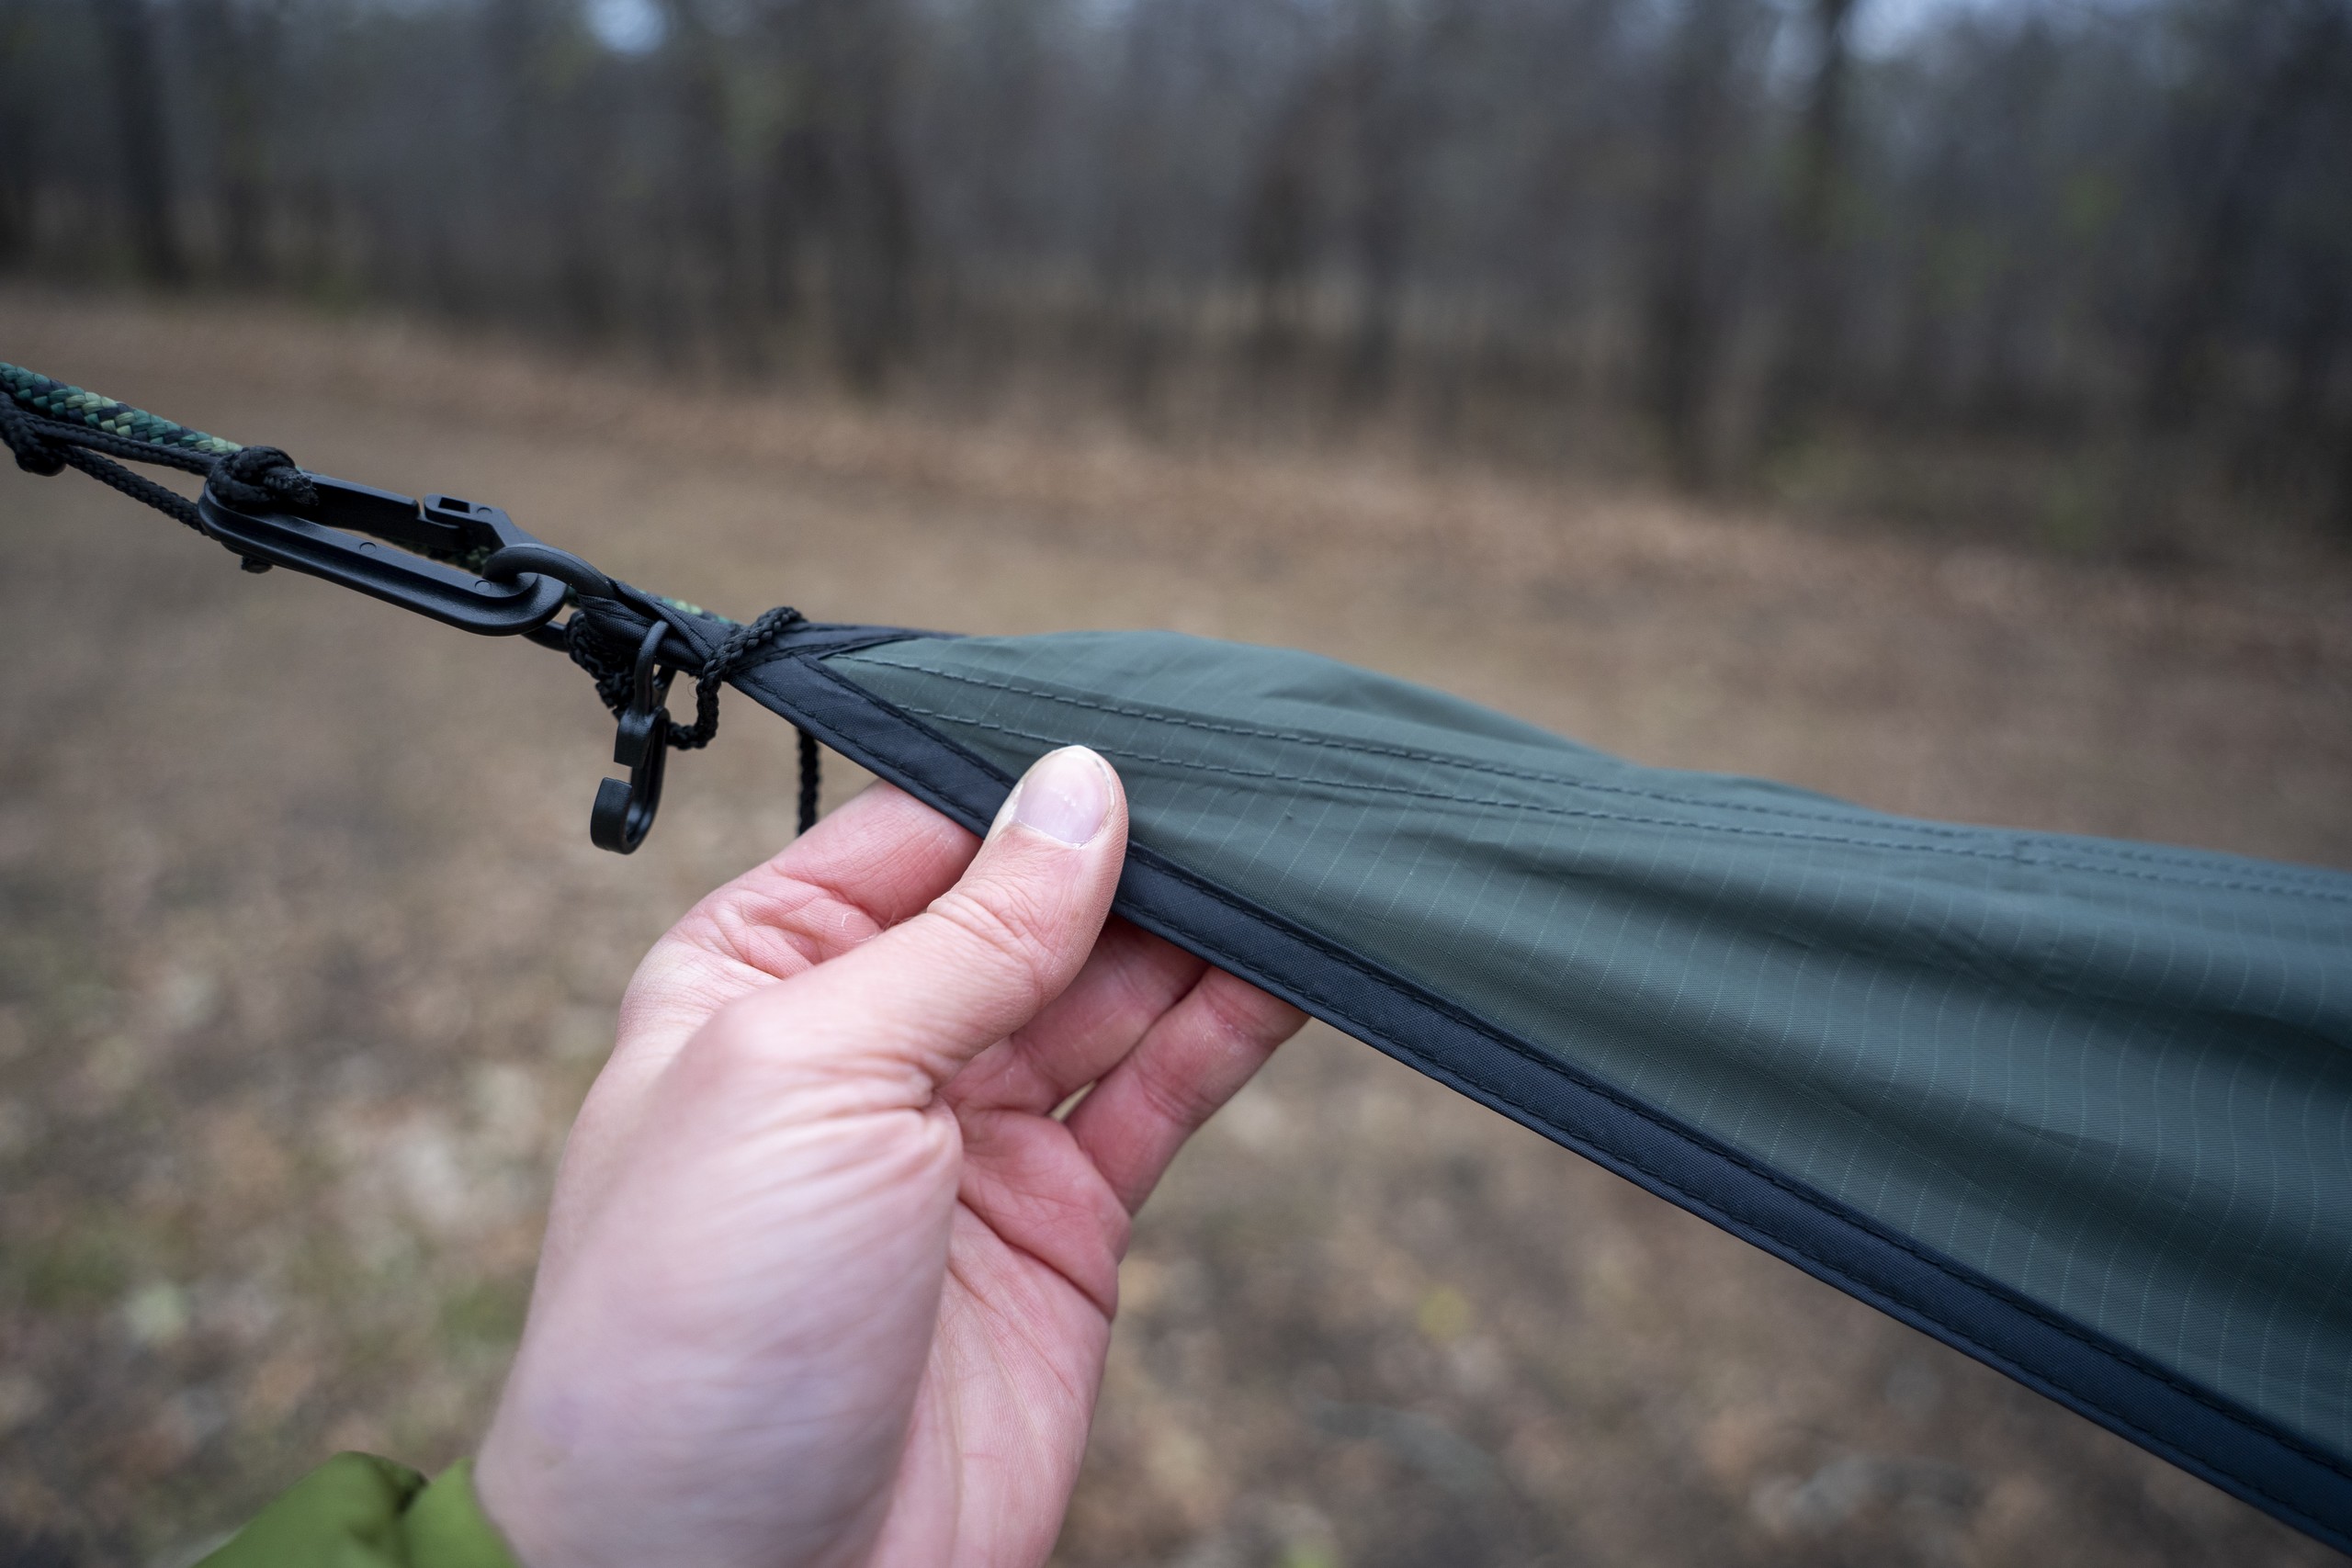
x,y
2210,1437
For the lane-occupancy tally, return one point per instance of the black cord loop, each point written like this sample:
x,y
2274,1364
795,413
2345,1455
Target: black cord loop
x,y
594,640
596,655
245,477
812,761
40,443
741,644
48,446
22,432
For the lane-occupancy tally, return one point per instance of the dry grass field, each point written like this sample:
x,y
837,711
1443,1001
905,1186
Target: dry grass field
x,y
305,957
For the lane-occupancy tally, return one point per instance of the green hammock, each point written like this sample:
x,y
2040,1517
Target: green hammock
x,y
2079,1108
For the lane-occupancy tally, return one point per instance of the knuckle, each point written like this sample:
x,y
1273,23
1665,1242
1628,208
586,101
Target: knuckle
x,y
1177,1097
1245,1016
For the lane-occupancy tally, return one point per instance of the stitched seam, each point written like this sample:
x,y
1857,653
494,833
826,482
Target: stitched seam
x,y
1369,749
1585,813
2288,879
786,648
1819,1204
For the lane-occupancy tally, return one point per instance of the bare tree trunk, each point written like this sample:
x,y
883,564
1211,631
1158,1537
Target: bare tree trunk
x,y
867,206
1681,315
2342,509
2297,439
1277,221
237,45
2302,416
18,189
1385,136
549,177
1121,252
723,306
145,177
873,281
1809,347
2228,230
316,262
792,192
515,186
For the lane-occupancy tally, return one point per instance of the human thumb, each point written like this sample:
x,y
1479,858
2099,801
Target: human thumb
x,y
986,957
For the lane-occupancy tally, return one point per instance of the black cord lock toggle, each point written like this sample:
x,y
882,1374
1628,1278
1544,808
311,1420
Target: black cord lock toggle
x,y
624,812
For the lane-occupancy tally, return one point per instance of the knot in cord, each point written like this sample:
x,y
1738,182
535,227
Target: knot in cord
x,y
22,432
593,638
605,664
51,427
742,645
254,476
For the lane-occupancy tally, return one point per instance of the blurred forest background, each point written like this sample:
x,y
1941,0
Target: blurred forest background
x,y
2077,272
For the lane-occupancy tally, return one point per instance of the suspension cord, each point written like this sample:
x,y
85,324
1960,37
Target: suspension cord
x,y
50,427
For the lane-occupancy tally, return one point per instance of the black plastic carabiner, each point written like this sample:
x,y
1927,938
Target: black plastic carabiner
x,y
624,809
435,570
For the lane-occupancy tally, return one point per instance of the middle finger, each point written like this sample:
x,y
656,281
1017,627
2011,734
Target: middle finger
x,y
1129,980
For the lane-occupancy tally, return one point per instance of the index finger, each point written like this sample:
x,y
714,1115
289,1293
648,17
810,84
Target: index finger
x,y
878,860
874,861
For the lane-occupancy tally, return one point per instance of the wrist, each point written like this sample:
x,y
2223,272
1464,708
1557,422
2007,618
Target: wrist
x,y
513,1499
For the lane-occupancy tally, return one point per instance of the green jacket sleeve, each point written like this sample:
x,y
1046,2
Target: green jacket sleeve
x,y
359,1511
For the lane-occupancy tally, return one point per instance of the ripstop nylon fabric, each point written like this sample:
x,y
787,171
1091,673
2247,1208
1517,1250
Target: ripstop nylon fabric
x,y
2112,1077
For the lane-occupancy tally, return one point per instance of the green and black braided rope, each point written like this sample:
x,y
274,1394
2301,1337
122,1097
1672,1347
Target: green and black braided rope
x,y
71,405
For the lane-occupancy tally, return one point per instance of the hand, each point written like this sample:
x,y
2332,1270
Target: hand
x,y
826,1281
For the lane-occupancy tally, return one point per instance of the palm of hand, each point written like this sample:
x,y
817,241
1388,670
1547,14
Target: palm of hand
x,y
962,1239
